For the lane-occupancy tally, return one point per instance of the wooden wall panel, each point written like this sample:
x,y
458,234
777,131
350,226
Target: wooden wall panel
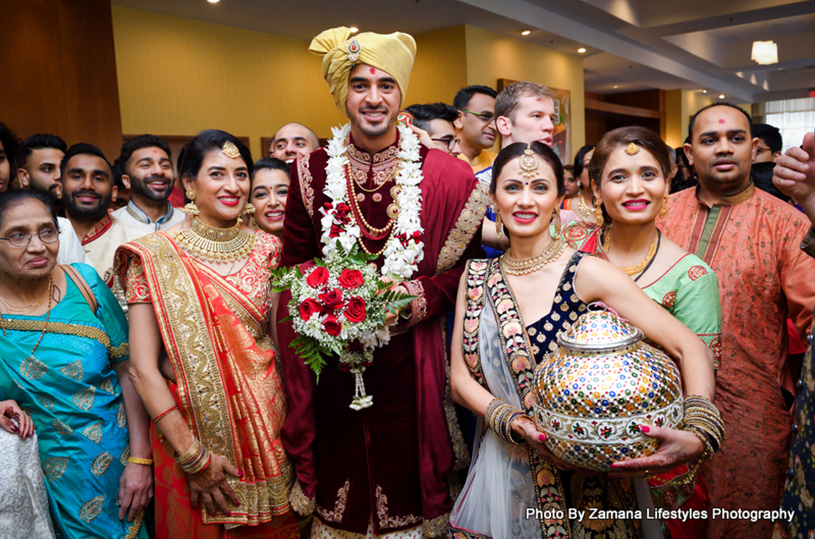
x,y
59,71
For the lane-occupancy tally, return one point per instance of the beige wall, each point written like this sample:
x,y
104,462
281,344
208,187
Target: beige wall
x,y
440,69
692,101
674,119
178,76
492,56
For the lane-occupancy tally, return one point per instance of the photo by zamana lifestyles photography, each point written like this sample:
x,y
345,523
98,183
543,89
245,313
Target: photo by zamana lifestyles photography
x,y
405,269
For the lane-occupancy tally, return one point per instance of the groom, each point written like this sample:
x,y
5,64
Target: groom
x,y
385,468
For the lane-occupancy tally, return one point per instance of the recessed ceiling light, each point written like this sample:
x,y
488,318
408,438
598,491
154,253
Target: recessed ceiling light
x,y
581,50
616,86
704,91
213,1
721,96
526,32
353,29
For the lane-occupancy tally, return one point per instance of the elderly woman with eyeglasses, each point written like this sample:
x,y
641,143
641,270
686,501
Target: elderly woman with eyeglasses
x,y
63,359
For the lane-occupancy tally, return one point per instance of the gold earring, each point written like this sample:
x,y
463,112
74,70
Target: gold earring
x,y
599,214
191,208
499,226
556,221
249,208
664,211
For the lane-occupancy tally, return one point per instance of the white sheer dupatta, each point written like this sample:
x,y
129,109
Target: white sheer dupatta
x,y
499,488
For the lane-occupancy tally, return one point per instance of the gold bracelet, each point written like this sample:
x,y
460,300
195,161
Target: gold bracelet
x,y
143,462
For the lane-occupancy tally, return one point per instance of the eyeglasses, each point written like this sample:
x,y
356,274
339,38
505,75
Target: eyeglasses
x,y
22,239
450,142
762,150
483,116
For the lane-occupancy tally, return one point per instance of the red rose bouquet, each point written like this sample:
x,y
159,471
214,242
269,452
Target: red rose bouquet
x,y
338,309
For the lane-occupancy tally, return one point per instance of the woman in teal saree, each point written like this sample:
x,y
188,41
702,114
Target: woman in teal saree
x,y
63,358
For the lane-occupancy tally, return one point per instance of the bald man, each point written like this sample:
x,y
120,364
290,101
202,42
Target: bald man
x,y
293,140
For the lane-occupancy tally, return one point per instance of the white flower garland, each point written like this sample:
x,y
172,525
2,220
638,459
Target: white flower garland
x,y
404,250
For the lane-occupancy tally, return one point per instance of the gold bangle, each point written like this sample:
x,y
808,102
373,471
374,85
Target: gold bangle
x,y
143,462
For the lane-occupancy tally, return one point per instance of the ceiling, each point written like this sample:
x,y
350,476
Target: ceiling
x,y
666,44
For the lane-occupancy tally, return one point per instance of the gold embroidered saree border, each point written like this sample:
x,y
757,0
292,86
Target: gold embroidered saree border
x,y
188,338
78,330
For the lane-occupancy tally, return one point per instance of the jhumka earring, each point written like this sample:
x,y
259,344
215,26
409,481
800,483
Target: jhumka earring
x,y
249,209
556,221
499,226
664,211
599,215
191,208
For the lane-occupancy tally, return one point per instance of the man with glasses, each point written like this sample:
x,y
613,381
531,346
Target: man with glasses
x,y
769,143
437,120
475,128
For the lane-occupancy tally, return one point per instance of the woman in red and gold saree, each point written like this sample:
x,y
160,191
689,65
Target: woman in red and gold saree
x,y
204,363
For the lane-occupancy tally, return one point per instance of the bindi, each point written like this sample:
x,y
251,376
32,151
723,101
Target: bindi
x,y
373,71
721,120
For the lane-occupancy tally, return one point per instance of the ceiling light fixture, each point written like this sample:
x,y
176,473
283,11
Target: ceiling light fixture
x,y
616,86
353,29
721,96
526,32
213,1
765,53
704,91
581,50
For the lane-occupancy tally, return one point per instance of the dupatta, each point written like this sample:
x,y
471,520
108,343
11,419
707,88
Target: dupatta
x,y
229,390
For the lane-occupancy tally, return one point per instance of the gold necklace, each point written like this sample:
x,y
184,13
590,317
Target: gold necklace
x,y
524,266
47,316
633,270
10,307
582,208
214,244
372,229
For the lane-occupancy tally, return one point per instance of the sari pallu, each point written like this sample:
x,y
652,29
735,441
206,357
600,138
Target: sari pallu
x,y
72,393
228,388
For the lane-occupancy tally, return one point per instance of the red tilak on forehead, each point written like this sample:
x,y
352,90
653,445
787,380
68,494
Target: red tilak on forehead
x,y
373,71
721,120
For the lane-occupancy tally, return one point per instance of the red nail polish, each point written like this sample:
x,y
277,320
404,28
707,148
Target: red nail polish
x,y
542,437
645,428
240,474
613,465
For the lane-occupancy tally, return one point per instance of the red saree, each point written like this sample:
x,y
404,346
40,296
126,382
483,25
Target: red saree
x,y
228,388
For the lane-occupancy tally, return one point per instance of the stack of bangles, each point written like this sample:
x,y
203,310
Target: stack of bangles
x,y
702,418
499,417
195,459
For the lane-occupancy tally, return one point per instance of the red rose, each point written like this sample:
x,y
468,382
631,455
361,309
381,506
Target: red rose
x,y
355,310
317,278
308,307
332,299
332,326
350,279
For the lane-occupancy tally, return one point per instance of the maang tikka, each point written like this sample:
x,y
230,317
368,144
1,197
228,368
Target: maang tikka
x,y
528,165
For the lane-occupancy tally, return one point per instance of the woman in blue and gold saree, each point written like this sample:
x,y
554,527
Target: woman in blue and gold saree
x,y
63,358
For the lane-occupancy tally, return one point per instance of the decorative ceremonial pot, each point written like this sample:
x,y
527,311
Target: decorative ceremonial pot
x,y
592,393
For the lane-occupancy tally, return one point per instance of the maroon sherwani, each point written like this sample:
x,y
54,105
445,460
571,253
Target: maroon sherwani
x,y
390,462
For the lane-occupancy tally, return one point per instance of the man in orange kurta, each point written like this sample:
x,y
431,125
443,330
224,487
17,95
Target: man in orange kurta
x,y
751,240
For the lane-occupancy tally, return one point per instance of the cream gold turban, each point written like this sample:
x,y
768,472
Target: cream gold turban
x,y
392,53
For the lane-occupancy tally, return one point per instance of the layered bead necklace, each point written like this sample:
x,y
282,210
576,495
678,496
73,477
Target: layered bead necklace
x,y
525,266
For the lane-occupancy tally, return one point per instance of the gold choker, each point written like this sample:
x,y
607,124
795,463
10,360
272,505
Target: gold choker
x,y
524,266
214,244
